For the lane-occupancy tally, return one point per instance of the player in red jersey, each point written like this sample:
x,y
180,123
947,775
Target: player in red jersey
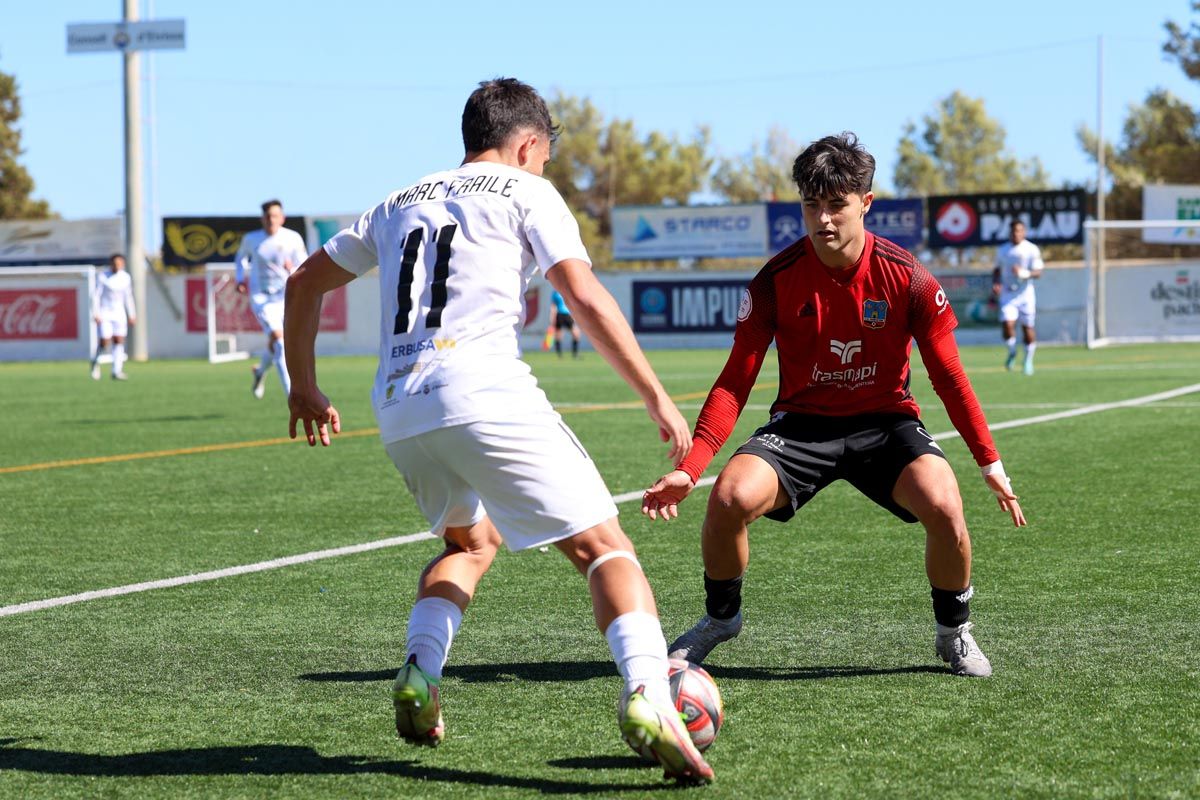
x,y
843,307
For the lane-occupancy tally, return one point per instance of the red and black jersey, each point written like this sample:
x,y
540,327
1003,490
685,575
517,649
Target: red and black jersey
x,y
844,340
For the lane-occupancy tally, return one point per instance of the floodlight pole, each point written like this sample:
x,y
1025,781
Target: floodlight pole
x,y
134,239
1099,234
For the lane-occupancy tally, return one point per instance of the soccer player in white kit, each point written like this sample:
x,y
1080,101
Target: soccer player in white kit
x,y
113,312
264,260
480,447
1018,264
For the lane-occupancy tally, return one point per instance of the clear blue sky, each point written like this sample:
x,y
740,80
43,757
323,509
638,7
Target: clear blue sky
x,y
330,109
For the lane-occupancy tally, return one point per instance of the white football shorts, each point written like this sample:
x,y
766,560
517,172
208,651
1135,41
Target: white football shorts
x,y
268,309
531,476
108,327
1020,308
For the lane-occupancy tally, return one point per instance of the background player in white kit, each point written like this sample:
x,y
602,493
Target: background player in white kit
x,y
485,455
1018,264
113,312
264,261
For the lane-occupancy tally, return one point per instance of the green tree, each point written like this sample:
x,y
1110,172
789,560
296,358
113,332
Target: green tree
x,y
15,184
601,163
765,173
959,148
1183,45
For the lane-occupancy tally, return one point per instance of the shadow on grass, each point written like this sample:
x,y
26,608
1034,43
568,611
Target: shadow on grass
x,y
554,671
541,671
271,759
816,673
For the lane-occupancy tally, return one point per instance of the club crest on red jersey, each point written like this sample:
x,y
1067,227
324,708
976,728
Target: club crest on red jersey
x,y
875,313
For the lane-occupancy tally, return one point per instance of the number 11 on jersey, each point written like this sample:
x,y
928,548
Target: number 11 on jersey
x,y
413,244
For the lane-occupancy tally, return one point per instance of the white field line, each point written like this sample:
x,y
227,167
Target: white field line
x,y
318,555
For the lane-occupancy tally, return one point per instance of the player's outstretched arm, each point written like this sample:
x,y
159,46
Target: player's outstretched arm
x,y
601,319
301,317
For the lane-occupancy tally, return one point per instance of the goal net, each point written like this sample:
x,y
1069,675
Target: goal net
x,y
45,313
1143,281
229,321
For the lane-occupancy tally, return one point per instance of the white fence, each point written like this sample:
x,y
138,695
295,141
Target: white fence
x,y
177,315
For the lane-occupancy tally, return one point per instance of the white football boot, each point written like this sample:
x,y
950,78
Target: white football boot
x,y
957,647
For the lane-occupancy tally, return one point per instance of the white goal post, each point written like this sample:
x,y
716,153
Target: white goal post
x,y
46,313
1143,281
226,310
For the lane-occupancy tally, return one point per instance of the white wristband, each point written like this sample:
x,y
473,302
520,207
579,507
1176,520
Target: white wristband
x,y
997,468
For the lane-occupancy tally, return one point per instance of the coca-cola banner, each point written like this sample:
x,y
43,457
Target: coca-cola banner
x,y
39,314
234,314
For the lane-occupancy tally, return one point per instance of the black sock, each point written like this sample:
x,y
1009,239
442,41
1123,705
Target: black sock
x,y
575,347
722,599
952,608
558,346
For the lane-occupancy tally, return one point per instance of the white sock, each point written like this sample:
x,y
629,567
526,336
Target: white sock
x,y
96,356
637,645
281,366
431,628
1029,348
1012,345
118,358
267,358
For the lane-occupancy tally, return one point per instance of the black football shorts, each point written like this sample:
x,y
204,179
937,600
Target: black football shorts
x,y
810,452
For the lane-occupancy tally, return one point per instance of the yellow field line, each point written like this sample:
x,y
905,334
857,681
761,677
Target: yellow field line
x,y
217,448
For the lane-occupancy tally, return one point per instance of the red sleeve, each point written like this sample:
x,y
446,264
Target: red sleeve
x,y
952,386
754,334
723,407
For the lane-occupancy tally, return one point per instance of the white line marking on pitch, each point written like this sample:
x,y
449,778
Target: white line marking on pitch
x,y
318,555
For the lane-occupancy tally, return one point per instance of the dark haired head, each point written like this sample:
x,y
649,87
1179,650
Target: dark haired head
x,y
498,109
834,166
113,258
267,206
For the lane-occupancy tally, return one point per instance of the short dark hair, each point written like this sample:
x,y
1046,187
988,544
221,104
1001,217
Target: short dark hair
x,y
834,166
498,109
113,258
267,205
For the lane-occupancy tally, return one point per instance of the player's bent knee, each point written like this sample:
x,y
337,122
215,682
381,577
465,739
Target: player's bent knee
x,y
741,499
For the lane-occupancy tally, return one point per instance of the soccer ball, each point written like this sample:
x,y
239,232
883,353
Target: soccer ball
x,y
699,700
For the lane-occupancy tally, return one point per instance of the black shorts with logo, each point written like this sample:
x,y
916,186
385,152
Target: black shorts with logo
x,y
870,451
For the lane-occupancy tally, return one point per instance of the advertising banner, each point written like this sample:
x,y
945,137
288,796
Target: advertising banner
x,y
1171,202
900,220
970,295
56,242
686,306
645,232
39,313
196,241
980,220
234,314
101,37
323,227
1153,301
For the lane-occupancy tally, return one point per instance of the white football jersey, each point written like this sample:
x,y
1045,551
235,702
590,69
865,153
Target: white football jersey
x,y
456,252
113,298
1012,257
266,257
